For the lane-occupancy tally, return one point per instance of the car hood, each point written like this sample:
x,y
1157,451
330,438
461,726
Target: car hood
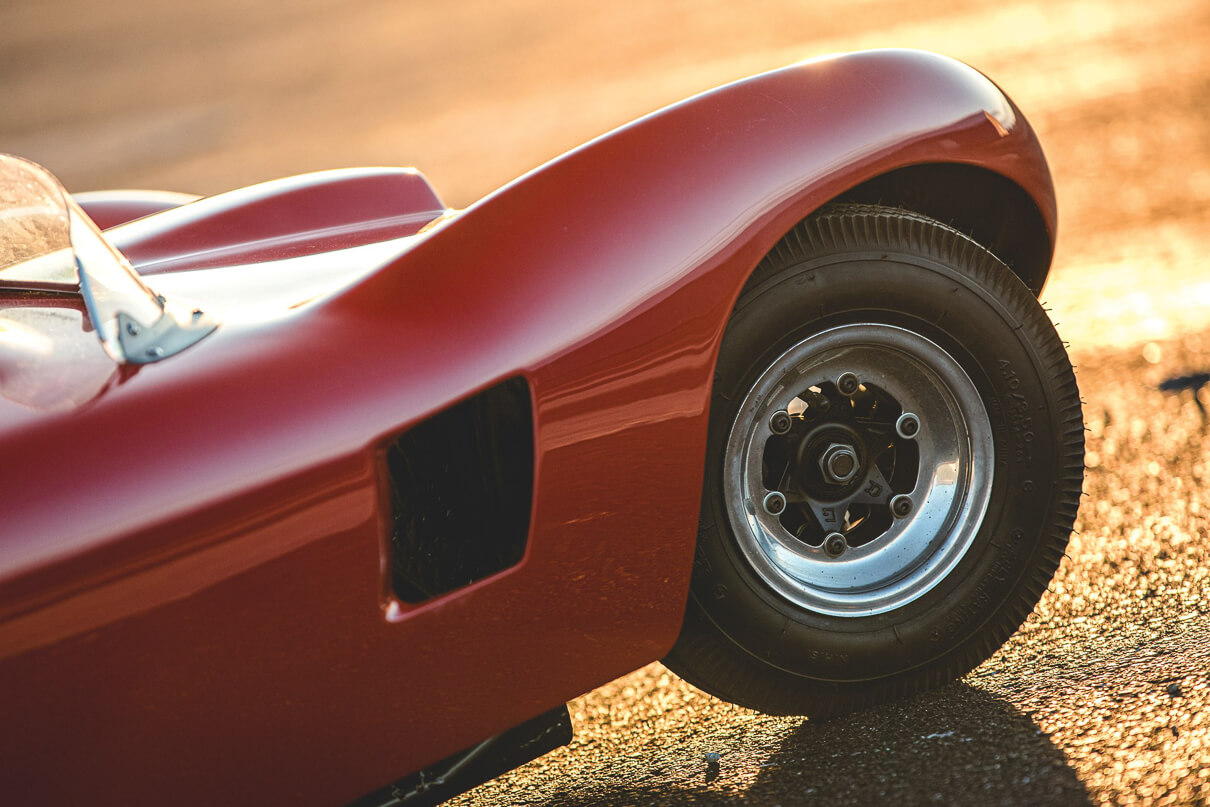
x,y
52,361
324,211
271,289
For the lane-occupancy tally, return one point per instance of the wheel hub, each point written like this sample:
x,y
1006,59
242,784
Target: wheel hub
x,y
828,458
843,452
839,463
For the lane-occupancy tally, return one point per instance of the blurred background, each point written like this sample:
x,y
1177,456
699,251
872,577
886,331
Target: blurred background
x,y
1101,696
205,97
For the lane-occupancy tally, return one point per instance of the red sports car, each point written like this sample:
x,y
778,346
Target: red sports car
x,y
319,492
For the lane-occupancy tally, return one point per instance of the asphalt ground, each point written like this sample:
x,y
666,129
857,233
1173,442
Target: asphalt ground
x,y
1101,697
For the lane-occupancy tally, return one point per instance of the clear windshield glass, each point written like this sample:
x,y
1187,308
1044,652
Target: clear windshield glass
x,y
35,237
48,242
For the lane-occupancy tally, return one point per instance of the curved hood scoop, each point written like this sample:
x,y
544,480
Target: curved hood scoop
x,y
282,219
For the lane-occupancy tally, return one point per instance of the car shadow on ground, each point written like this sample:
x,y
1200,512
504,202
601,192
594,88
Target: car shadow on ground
x,y
959,745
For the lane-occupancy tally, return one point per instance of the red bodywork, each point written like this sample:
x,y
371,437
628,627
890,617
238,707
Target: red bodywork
x,y
193,597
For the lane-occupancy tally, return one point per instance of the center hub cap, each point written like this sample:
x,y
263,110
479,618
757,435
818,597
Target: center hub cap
x,y
839,463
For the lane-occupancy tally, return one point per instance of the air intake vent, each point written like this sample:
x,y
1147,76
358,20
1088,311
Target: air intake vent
x,y
461,492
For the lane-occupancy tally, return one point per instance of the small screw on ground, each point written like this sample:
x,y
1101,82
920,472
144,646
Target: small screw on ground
x,y
712,765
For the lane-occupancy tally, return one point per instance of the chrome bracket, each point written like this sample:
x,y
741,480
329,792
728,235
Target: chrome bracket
x,y
176,329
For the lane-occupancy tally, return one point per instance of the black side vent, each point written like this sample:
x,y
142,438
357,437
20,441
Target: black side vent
x,y
461,492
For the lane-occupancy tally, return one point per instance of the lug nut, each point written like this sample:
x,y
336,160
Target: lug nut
x,y
774,503
779,422
901,505
908,426
839,463
835,544
847,384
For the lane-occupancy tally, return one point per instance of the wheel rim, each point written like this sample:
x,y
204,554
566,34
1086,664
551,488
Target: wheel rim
x,y
852,509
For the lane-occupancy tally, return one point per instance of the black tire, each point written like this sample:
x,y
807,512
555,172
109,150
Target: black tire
x,y
776,623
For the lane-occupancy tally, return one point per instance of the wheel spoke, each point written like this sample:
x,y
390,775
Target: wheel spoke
x,y
829,515
874,489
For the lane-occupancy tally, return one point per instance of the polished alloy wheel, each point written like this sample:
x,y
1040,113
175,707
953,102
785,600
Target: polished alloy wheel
x,y
858,469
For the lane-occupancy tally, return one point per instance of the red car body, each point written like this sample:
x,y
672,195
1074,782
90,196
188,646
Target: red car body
x,y
195,598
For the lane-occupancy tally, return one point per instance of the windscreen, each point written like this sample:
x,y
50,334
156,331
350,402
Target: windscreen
x,y
47,242
35,232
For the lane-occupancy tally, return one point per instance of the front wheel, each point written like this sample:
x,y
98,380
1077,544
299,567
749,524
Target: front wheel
x,y
894,464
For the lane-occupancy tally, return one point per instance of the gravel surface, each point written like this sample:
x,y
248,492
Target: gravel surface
x,y
1101,696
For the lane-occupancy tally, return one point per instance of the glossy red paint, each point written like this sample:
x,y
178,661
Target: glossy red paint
x,y
67,369
193,600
